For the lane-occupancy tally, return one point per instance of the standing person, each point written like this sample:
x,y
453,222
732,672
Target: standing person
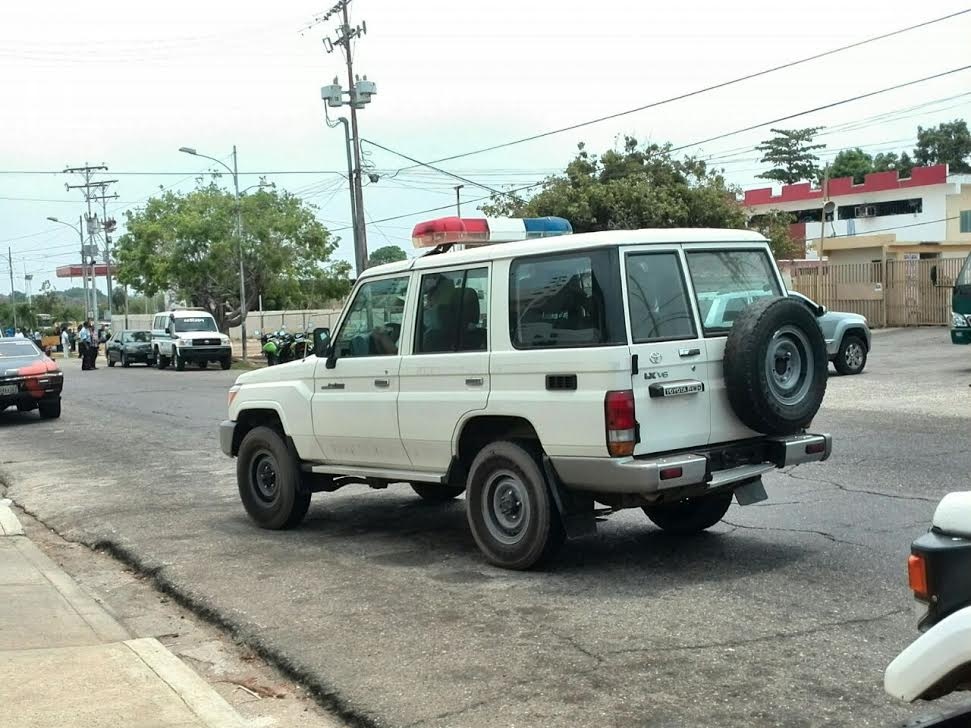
x,y
95,343
65,343
84,343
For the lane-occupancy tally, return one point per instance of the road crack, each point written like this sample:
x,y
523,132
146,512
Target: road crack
x,y
828,536
848,489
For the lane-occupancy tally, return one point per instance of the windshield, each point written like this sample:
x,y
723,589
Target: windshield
x,y
195,323
726,281
142,337
964,277
17,347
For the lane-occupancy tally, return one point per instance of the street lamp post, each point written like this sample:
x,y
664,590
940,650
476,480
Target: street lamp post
x,y
234,170
84,263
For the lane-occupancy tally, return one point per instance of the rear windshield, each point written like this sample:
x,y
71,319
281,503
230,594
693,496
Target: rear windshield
x,y
726,281
195,323
566,300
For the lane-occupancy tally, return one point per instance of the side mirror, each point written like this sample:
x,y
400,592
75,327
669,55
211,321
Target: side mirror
x,y
321,342
934,275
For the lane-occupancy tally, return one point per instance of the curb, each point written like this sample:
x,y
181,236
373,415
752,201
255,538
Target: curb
x,y
208,705
9,525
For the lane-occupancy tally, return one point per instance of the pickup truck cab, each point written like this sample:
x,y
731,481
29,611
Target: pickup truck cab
x,y
540,377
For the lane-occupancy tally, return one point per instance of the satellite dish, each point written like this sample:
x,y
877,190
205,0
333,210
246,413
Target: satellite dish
x,y
829,207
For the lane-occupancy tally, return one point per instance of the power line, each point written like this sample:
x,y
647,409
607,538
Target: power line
x,y
821,108
704,90
164,173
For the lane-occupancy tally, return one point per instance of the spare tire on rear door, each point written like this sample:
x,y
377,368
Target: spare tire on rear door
x,y
776,366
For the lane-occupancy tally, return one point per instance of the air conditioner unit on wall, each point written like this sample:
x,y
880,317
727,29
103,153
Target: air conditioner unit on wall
x,y
865,211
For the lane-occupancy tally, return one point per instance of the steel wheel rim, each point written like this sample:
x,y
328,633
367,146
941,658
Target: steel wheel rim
x,y
788,365
264,477
506,507
853,356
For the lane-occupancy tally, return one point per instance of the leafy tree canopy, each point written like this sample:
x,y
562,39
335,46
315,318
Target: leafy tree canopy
x,y
790,152
387,254
186,243
948,143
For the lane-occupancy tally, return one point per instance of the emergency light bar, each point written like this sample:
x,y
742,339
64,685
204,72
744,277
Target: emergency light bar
x,y
486,230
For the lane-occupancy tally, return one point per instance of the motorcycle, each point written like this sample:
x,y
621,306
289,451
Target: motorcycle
x,y
281,346
938,662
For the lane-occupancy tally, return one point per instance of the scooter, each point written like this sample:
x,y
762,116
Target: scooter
x,y
939,661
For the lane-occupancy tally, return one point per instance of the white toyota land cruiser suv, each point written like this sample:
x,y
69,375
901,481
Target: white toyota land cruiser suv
x,y
189,335
541,377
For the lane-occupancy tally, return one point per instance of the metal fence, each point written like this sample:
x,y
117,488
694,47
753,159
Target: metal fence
x,y
894,293
293,321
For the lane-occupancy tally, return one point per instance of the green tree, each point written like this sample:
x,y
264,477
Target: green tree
x,y
387,254
775,226
634,186
118,298
948,143
886,161
853,163
186,243
790,152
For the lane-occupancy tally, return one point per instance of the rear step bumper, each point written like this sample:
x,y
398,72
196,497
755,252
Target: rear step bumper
x,y
651,475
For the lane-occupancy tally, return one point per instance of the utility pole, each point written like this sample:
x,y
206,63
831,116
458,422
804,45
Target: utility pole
x,y
27,279
108,226
360,92
458,200
88,172
13,302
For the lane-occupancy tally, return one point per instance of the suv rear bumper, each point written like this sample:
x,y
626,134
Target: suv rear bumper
x,y
659,474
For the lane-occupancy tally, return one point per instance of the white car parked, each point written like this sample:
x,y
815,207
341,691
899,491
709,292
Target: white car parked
x,y
189,336
540,377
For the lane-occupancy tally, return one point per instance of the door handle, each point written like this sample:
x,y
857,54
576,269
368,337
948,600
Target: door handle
x,y
475,381
382,383
689,352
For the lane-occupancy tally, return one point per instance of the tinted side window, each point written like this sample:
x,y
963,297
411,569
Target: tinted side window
x,y
372,326
453,311
657,298
566,301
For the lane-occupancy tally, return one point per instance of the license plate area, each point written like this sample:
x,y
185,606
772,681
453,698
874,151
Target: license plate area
x,y
676,389
9,388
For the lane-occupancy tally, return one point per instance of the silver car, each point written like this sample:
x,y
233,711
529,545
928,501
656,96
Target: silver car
x,y
847,336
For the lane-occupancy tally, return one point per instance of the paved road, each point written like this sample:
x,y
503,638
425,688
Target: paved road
x,y
785,615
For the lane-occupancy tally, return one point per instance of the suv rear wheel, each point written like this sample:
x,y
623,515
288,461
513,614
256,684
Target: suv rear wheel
x,y
690,516
269,480
512,516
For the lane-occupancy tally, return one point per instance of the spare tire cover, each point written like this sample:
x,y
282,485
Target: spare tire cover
x,y
776,366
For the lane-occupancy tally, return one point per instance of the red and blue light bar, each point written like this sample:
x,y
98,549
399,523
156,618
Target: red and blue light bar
x,y
471,231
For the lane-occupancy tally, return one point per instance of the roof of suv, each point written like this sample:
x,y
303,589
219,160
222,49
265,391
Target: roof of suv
x,y
566,243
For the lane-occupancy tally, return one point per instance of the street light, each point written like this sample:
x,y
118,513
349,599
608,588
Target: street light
x,y
84,268
239,236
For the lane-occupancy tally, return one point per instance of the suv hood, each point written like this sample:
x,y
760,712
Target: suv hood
x,y
291,371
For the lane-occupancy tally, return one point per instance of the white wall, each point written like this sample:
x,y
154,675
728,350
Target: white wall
x,y
255,321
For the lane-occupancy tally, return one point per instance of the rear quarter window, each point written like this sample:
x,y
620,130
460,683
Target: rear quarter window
x,y
566,300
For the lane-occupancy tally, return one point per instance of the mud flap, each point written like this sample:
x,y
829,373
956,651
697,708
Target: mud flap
x,y
751,492
576,510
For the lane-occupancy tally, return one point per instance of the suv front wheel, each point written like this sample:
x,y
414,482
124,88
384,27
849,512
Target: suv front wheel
x,y
512,516
269,480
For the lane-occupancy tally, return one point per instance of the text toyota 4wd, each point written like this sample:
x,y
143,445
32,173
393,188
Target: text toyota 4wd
x,y
540,377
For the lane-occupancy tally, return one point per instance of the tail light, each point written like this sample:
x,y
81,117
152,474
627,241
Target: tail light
x,y
917,575
620,422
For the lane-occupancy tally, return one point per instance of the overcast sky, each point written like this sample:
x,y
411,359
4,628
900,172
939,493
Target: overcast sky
x,y
127,83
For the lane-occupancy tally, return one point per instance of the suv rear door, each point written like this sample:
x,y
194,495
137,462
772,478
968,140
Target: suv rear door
x,y
726,278
670,380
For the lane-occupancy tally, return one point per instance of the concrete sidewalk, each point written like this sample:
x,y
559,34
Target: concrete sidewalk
x,y
65,661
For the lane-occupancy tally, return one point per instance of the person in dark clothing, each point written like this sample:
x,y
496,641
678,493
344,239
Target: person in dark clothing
x,y
84,344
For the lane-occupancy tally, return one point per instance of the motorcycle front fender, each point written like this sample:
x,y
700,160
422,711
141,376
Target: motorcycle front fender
x,y
936,663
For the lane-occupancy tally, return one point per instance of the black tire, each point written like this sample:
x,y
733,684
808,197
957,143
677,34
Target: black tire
x,y
111,362
690,516
226,363
437,493
509,508
124,360
161,362
179,362
851,357
268,477
50,410
776,366
203,364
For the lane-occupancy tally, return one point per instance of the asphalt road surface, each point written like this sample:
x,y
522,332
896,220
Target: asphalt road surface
x,y
786,614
